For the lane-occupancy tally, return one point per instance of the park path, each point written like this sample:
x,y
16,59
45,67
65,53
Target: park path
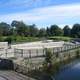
x,y
11,75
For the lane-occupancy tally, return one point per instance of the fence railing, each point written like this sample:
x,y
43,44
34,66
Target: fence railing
x,y
24,53
33,66
41,52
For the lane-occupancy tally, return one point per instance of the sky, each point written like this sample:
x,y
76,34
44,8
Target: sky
x,y
43,13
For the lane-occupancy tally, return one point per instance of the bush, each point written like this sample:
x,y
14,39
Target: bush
x,y
10,39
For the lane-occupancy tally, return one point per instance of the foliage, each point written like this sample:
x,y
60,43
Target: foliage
x,y
48,33
4,28
75,32
55,30
10,39
67,31
19,28
42,32
49,61
49,55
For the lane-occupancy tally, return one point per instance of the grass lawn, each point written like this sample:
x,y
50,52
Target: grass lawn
x,y
18,39
61,38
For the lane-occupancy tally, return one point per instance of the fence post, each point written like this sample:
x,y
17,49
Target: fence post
x,y
6,52
37,52
29,59
29,53
22,52
43,51
61,49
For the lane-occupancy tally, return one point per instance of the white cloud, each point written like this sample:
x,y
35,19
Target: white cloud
x,y
61,14
63,25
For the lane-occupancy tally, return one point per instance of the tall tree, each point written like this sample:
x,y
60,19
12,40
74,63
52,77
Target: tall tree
x,y
33,30
21,27
4,28
56,31
42,32
67,30
75,32
48,31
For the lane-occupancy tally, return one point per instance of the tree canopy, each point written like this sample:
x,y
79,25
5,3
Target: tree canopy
x,y
22,29
67,31
76,30
55,30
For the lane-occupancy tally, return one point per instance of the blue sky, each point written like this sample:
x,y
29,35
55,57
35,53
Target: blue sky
x,y
41,12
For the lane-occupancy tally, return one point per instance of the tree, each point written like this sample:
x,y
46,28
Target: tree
x,y
67,30
4,28
33,31
56,31
42,32
21,28
48,32
75,32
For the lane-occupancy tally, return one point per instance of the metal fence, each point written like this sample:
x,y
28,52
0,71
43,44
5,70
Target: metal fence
x,y
34,53
35,60
41,52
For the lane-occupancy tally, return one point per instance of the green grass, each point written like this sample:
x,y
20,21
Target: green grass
x,y
26,39
61,38
19,39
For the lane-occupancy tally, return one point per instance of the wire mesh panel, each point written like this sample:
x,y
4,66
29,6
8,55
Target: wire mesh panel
x,y
2,53
18,52
40,52
10,53
25,53
33,53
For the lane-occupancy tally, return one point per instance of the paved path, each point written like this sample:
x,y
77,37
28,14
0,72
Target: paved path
x,y
11,75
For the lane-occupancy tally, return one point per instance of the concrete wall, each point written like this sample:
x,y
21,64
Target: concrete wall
x,y
24,65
